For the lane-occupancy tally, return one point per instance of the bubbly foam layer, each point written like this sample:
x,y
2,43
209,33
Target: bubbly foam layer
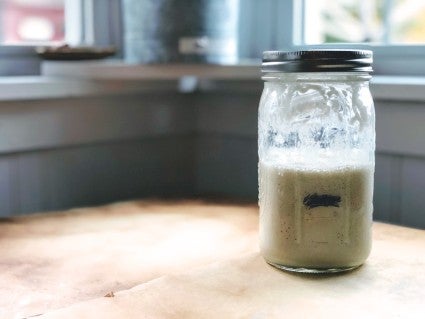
x,y
316,160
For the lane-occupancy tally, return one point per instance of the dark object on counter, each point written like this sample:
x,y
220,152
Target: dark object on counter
x,y
67,53
158,31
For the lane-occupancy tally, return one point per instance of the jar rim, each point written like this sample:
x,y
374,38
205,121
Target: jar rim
x,y
316,76
329,60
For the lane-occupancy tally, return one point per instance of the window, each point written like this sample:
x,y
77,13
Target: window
x,y
393,29
371,21
26,22
23,25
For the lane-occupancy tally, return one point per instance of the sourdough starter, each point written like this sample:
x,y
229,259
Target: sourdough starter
x,y
315,218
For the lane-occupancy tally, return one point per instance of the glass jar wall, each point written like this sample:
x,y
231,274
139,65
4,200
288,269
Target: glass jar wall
x,y
316,143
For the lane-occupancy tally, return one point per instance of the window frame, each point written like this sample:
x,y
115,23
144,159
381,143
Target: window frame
x,y
389,59
21,60
87,22
17,60
278,25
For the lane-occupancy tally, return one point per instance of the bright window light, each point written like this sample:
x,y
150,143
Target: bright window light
x,y
364,21
31,22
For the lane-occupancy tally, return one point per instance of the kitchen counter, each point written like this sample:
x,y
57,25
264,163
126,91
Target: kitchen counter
x,y
190,259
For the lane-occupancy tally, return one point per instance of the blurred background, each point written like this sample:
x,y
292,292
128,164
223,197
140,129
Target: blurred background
x,y
376,21
68,140
28,22
323,21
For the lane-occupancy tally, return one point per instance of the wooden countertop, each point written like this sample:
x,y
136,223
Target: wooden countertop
x,y
190,259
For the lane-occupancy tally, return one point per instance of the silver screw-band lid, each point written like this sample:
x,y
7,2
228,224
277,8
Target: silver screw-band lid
x,y
317,61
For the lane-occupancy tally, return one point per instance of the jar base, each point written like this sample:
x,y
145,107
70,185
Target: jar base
x,y
312,270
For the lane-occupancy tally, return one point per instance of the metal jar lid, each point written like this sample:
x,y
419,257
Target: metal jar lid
x,y
317,61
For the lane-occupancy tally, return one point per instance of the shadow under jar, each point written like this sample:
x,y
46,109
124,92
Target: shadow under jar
x,y
316,146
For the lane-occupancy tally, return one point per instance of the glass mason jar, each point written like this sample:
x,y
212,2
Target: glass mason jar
x,y
316,146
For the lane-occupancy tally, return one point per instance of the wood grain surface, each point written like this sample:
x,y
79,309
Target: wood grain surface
x,y
191,260
54,260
